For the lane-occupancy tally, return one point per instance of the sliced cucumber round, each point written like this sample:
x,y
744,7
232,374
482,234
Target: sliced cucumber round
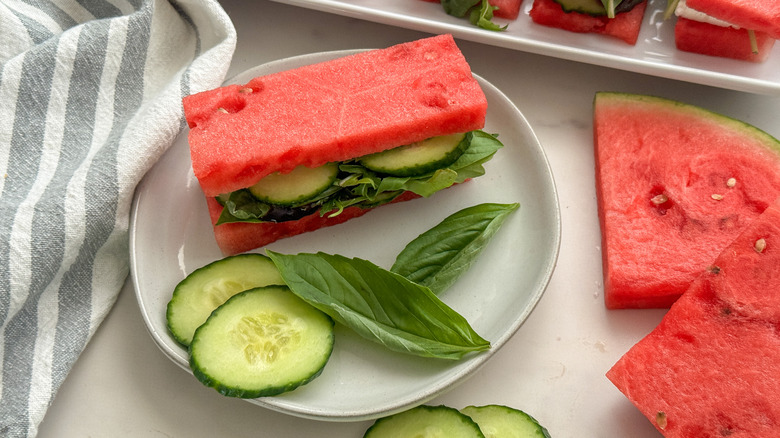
x,y
418,158
425,422
297,186
261,342
590,7
206,288
596,7
498,421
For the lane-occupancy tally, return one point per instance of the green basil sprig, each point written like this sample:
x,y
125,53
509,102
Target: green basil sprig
x,y
479,12
379,305
440,255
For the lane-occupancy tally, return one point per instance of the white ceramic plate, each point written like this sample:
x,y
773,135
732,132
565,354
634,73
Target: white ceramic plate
x,y
170,236
654,54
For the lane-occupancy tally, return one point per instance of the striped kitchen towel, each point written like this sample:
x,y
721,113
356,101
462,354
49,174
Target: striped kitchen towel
x,y
90,98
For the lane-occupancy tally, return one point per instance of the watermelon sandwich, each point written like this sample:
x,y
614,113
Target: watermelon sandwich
x,y
742,30
711,367
621,19
675,184
297,150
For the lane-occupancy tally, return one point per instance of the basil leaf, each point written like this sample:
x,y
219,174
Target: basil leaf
x,y
379,305
458,8
483,17
479,12
438,257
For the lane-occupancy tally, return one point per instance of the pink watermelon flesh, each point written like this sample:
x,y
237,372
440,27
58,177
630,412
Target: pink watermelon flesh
x,y
760,15
666,207
625,26
331,111
727,42
711,367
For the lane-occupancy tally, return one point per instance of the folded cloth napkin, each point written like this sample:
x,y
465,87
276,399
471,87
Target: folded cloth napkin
x,y
90,98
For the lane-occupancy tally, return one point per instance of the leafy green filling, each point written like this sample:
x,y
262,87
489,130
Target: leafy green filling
x,y
361,187
479,12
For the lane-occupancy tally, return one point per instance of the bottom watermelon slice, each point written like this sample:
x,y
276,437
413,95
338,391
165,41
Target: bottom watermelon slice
x,y
625,26
726,42
675,184
238,237
711,367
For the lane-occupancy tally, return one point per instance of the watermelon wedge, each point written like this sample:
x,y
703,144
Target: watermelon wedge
x,y
758,15
675,184
727,42
625,26
711,367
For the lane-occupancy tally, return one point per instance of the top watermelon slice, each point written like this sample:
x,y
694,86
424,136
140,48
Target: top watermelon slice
x,y
760,15
331,111
675,184
711,367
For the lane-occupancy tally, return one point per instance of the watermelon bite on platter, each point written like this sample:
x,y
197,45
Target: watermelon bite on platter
x,y
740,30
726,42
591,19
675,184
710,368
507,9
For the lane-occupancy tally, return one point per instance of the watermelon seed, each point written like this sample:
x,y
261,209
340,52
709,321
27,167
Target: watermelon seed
x,y
760,245
660,419
714,269
717,197
659,199
731,182
222,110
245,90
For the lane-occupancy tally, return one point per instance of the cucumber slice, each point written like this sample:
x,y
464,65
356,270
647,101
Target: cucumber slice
x,y
425,422
418,158
498,421
596,7
206,288
590,7
261,342
295,187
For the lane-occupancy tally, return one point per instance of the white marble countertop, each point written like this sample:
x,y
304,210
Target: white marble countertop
x,y
553,368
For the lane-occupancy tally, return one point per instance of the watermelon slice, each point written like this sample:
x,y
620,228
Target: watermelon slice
x,y
331,111
625,26
759,15
711,367
675,184
727,42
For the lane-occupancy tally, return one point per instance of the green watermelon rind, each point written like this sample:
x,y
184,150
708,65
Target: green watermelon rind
x,y
667,105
